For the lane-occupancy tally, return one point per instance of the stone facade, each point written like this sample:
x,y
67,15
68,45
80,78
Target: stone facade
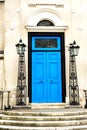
x,y
18,17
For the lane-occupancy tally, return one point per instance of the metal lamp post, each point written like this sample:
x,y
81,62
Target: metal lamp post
x,y
21,82
73,81
85,91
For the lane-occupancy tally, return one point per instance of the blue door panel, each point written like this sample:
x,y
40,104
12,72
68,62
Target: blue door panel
x,y
38,77
38,92
53,96
54,77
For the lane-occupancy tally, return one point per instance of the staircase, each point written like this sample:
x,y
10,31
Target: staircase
x,y
44,119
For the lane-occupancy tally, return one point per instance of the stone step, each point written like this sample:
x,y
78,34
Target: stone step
x,y
58,119
43,123
52,112
43,118
7,127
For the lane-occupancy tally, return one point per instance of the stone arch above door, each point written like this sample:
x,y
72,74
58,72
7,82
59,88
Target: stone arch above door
x,y
45,14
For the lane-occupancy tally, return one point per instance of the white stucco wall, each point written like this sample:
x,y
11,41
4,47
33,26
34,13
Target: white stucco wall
x,y
68,16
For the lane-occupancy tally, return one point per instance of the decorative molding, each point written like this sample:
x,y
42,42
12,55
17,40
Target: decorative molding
x,y
56,5
46,29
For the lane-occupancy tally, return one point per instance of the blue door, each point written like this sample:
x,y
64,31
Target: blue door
x,y
46,72
54,84
38,76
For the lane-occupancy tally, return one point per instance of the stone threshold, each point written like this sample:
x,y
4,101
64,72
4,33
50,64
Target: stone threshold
x,y
40,106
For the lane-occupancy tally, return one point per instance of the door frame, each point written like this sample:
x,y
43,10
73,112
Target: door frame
x,y
61,34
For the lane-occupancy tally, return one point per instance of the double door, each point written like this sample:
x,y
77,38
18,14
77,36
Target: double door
x,y
46,74
46,77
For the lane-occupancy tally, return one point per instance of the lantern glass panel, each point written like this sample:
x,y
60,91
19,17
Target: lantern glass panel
x,y
74,51
17,49
71,52
23,48
20,49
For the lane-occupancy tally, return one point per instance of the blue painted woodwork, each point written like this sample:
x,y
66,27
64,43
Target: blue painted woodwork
x,y
54,81
46,75
38,77
46,37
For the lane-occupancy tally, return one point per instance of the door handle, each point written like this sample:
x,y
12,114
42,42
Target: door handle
x,y
51,80
41,81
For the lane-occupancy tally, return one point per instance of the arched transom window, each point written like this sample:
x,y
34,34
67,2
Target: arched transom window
x,y
45,23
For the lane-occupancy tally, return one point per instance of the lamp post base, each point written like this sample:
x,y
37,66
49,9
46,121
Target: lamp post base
x,y
74,103
21,103
86,104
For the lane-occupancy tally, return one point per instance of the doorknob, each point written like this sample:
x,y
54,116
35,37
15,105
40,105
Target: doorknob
x,y
51,80
41,81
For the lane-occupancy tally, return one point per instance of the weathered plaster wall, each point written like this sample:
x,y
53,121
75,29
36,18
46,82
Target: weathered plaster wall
x,y
71,13
79,33
14,30
12,36
1,45
1,25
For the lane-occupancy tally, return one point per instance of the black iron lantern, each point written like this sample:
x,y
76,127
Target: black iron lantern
x,y
20,47
21,81
73,81
74,49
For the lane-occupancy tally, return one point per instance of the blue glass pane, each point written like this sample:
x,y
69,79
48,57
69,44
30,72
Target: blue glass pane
x,y
46,43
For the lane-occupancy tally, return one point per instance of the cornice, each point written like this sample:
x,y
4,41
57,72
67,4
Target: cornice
x,y
56,5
